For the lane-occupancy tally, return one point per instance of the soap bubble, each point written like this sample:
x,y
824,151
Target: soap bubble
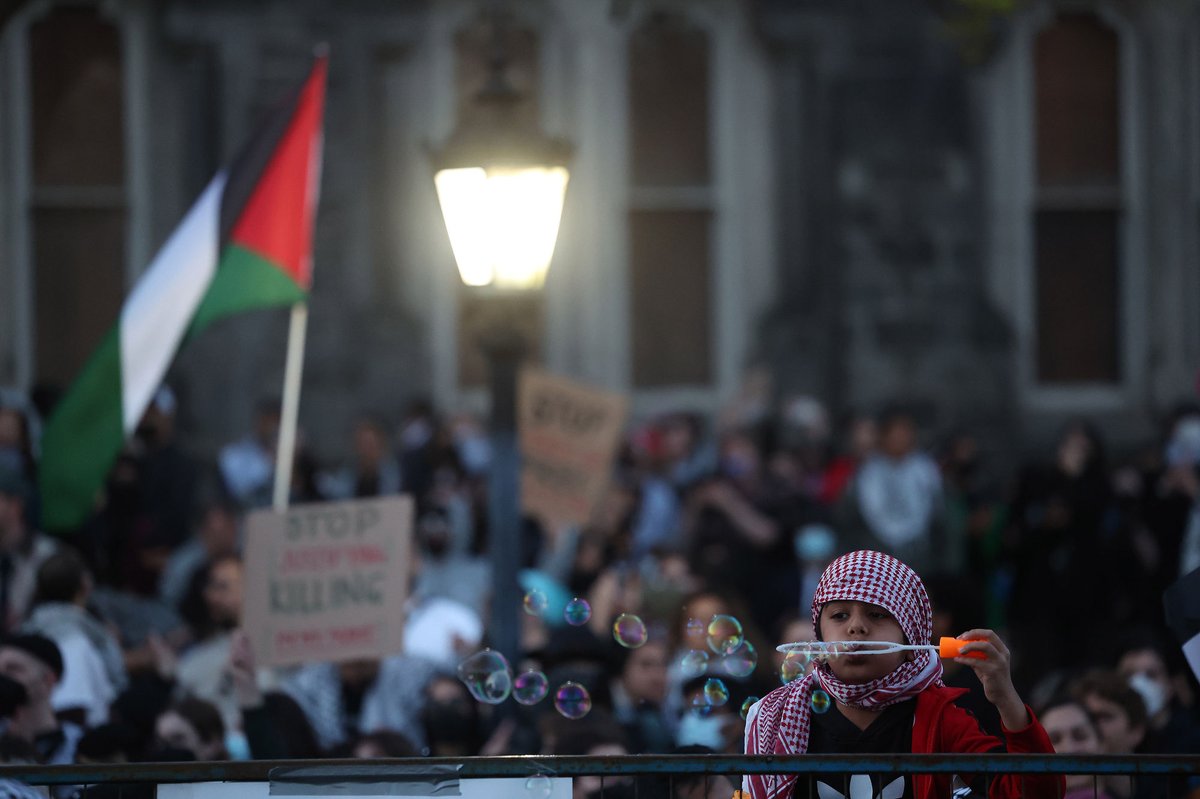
x,y
572,700
715,692
487,676
821,701
629,631
750,700
724,634
795,665
742,661
700,705
539,787
577,612
695,628
535,603
530,688
693,663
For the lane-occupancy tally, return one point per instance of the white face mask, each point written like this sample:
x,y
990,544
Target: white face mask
x,y
702,730
1152,693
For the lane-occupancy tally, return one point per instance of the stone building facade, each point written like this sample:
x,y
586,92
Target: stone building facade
x,y
841,190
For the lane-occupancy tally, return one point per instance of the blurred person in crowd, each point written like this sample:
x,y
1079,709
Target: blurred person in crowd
x,y
1061,525
1170,728
1073,732
815,546
735,527
655,517
450,719
247,466
448,568
273,725
790,629
1120,716
14,750
1118,710
16,438
201,669
111,742
92,657
805,448
344,700
36,663
1174,512
218,535
22,549
375,472
861,435
169,478
195,726
112,539
716,726
639,696
597,736
970,507
898,494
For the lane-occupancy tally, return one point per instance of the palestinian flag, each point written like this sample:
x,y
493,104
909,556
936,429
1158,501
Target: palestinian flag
x,y
245,244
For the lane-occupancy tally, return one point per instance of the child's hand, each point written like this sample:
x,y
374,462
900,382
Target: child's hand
x,y
995,673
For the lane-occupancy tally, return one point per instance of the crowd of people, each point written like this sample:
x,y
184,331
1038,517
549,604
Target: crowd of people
x,y
122,640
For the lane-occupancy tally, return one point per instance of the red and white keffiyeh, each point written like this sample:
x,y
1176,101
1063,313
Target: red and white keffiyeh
x,y
779,724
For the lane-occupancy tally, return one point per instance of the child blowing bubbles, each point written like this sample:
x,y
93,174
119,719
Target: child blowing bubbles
x,y
889,703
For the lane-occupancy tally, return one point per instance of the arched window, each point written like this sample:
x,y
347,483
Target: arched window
x,y
671,213
78,198
1077,214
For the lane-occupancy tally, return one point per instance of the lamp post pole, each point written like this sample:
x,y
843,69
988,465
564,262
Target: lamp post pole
x,y
504,349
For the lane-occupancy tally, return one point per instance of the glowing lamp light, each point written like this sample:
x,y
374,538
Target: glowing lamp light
x,y
503,222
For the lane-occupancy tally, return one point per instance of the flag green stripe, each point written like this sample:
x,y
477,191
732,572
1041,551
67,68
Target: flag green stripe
x,y
84,433
244,281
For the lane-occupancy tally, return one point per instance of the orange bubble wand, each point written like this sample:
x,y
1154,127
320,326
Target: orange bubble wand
x,y
945,647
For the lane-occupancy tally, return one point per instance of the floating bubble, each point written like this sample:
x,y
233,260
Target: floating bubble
x,y
572,700
487,676
695,628
577,612
700,705
795,665
629,631
750,700
821,701
742,661
535,603
724,634
530,688
715,692
539,787
693,663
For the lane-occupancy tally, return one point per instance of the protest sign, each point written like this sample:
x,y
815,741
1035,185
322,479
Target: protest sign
x,y
569,434
327,582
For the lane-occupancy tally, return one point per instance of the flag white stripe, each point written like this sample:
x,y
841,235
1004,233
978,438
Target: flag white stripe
x,y
163,302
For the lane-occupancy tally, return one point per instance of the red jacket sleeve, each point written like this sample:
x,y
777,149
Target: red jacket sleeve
x,y
959,732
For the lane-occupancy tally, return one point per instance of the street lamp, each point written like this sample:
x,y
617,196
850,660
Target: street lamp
x,y
501,183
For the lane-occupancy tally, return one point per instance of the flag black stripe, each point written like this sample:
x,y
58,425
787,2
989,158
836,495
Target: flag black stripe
x,y
247,168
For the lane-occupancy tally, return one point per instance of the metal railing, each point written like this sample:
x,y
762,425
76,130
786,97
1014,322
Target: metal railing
x,y
316,772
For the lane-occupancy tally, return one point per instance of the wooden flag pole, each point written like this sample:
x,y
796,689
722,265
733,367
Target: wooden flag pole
x,y
285,454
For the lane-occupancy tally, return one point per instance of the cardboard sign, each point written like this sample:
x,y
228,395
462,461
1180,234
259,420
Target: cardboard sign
x,y
327,582
569,434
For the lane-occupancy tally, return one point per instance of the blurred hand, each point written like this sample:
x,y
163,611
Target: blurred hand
x,y
166,661
243,671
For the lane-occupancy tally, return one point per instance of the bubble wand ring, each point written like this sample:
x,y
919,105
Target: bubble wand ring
x,y
946,648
